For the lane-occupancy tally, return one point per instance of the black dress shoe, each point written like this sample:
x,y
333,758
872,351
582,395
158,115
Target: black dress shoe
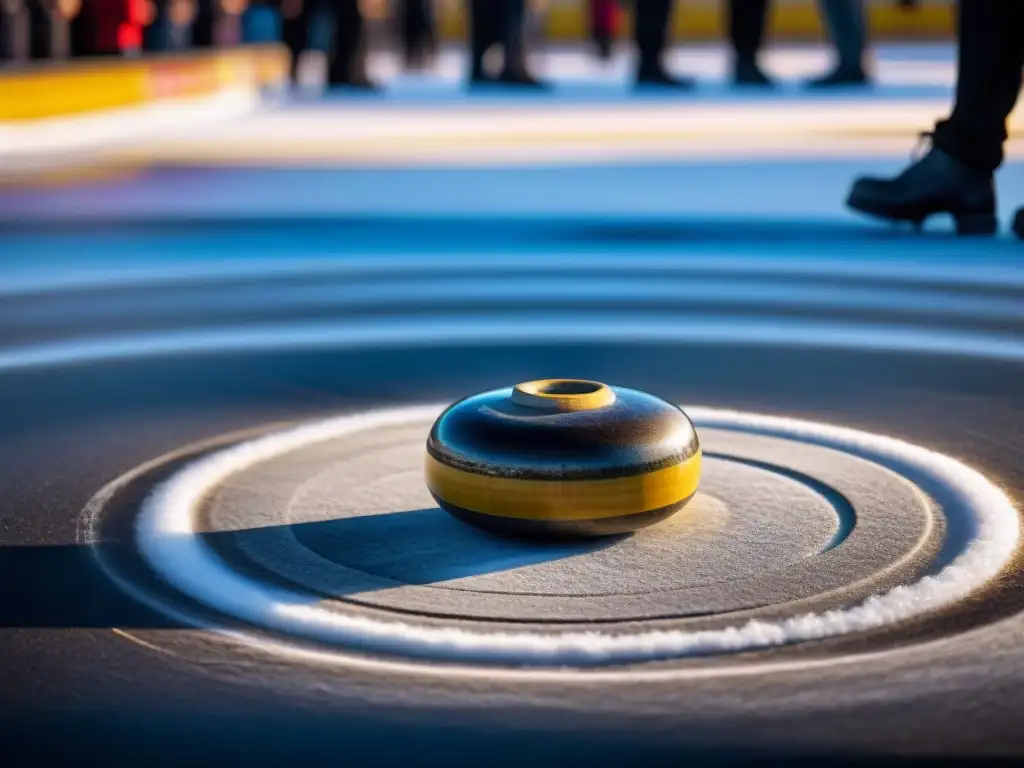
x,y
1018,223
748,73
937,183
659,78
841,77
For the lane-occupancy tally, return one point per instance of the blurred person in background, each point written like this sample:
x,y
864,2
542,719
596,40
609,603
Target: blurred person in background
x,y
295,24
652,21
261,22
847,30
418,34
603,18
846,23
204,23
171,29
499,23
14,31
156,36
110,27
218,23
956,176
347,55
747,23
50,22
846,26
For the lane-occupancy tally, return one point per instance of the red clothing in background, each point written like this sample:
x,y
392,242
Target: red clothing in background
x,y
111,26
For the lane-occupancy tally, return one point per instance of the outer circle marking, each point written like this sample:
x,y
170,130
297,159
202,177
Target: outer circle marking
x,y
581,327
167,538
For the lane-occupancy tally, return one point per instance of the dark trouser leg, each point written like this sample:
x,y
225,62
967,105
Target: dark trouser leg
x,y
295,35
601,15
40,23
513,27
513,39
956,176
156,36
14,32
81,34
348,58
847,30
417,31
747,20
650,26
991,55
204,25
484,28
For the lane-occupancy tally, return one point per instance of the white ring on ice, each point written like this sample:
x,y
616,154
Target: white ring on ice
x,y
168,539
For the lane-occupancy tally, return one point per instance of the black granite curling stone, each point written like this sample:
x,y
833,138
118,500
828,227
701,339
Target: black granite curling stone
x,y
561,458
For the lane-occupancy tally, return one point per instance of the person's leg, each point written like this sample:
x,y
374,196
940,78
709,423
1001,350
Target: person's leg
x,y
415,33
602,15
423,20
513,24
204,24
991,56
847,29
347,63
407,32
40,27
956,176
15,31
482,25
156,37
295,17
747,22
650,27
651,22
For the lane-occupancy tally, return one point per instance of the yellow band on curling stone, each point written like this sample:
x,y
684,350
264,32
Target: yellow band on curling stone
x,y
553,500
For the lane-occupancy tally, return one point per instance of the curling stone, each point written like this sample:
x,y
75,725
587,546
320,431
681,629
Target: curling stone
x,y
562,458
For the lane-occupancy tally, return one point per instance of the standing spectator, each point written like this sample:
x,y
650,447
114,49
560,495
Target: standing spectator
x,y
603,16
50,22
261,22
295,23
746,25
171,28
499,23
346,60
418,35
956,176
218,23
847,28
109,27
747,22
651,27
14,31
204,23
157,35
